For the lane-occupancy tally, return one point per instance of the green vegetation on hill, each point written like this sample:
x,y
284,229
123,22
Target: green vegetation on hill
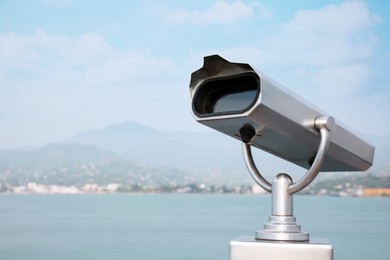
x,y
76,164
137,156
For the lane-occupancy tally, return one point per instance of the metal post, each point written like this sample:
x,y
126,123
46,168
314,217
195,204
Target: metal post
x,y
281,224
282,237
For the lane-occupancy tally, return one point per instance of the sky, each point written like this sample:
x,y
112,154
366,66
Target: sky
x,y
68,66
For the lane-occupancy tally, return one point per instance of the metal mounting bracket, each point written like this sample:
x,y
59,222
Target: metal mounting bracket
x,y
282,224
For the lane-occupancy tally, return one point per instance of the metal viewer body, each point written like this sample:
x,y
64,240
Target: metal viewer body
x,y
246,104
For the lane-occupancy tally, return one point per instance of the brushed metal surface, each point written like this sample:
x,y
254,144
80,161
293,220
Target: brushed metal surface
x,y
283,121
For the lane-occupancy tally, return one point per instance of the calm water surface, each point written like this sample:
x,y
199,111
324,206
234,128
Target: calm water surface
x,y
178,226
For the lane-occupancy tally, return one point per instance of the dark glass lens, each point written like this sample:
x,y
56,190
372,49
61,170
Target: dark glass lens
x,y
227,95
235,101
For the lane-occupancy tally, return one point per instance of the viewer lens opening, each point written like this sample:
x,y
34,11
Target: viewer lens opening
x,y
226,96
235,101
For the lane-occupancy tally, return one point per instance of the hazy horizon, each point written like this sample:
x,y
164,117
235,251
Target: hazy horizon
x,y
68,66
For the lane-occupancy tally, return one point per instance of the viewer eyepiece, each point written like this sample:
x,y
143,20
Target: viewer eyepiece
x,y
229,95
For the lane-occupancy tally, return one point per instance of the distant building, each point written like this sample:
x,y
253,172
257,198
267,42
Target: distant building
x,y
112,187
91,188
376,192
33,187
256,189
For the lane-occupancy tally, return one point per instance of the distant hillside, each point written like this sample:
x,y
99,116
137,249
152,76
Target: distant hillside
x,y
149,146
137,154
209,150
76,164
53,156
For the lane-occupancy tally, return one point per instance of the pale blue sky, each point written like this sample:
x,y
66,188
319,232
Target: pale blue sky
x,y
71,65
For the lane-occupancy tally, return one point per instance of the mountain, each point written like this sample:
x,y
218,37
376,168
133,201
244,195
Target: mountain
x,y
53,156
208,150
79,164
149,146
208,156
136,154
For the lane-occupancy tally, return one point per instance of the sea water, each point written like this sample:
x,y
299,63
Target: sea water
x,y
178,226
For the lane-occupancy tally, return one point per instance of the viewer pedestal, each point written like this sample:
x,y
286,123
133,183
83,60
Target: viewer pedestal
x,y
247,248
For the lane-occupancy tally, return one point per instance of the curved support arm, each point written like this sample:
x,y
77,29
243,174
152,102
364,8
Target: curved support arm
x,y
250,164
324,125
